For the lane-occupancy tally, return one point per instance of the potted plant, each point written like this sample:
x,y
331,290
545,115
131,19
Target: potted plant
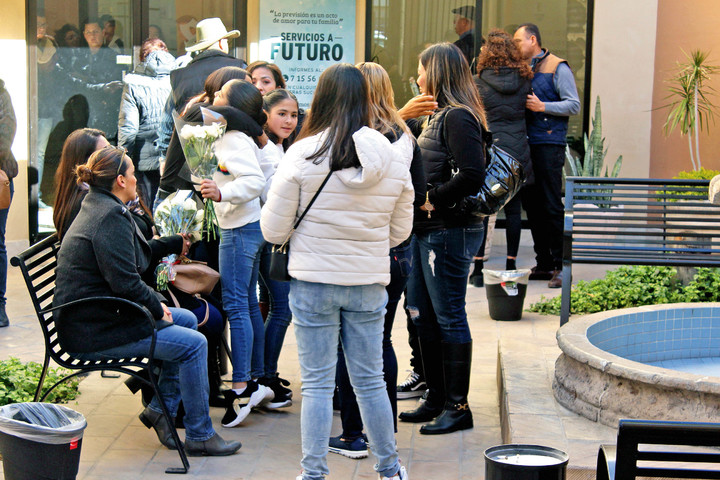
x,y
690,107
591,165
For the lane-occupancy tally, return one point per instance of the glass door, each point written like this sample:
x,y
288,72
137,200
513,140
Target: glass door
x,y
78,59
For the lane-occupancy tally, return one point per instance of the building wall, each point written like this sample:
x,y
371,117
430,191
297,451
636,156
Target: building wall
x,y
623,74
682,26
13,70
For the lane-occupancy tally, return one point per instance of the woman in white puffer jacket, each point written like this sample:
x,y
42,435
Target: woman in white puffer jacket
x,y
339,257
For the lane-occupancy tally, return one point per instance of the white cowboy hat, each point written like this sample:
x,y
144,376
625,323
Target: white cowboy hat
x,y
210,31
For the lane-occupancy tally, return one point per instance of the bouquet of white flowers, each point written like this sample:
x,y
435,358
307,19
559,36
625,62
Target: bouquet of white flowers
x,y
179,213
198,144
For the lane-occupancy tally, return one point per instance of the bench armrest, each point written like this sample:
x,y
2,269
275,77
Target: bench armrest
x,y
606,462
122,303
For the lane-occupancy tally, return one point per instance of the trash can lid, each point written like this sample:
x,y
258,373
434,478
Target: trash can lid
x,y
42,422
493,277
526,455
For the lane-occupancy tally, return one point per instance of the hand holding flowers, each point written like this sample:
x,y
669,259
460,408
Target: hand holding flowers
x,y
198,145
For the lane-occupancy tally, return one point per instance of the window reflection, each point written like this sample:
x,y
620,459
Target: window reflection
x,y
403,28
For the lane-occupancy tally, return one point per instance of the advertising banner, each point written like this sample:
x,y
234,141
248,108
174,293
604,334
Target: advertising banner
x,y
304,38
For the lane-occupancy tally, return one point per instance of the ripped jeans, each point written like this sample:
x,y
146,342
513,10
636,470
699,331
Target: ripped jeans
x,y
437,286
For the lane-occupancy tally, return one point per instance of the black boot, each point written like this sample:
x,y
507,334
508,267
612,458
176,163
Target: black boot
x,y
456,415
216,396
476,277
431,405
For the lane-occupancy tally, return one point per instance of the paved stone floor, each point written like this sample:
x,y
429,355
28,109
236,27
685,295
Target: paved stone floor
x,y
117,446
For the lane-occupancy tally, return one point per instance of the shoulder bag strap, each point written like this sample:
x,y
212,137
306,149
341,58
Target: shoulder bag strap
x,y
312,200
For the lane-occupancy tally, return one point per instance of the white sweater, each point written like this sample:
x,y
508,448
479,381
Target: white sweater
x,y
346,236
243,172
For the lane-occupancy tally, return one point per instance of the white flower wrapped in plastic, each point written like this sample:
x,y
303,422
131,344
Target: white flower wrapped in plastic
x,y
198,145
179,213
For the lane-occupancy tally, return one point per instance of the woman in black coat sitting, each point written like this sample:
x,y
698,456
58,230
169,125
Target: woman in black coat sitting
x,y
103,254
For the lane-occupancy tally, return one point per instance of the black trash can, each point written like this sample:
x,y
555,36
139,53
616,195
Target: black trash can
x,y
505,292
525,462
40,441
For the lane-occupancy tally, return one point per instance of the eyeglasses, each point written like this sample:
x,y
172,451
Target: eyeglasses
x,y
93,32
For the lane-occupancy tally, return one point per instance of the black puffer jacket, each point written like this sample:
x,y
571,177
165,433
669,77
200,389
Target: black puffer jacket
x,y
504,93
455,133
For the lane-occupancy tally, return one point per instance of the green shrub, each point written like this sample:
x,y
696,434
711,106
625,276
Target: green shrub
x,y
634,286
18,382
702,174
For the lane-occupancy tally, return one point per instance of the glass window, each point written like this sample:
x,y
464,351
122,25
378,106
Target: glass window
x,y
82,52
401,29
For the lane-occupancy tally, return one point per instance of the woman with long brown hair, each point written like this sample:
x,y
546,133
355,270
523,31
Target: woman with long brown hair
x,y
339,258
504,81
68,193
446,238
385,119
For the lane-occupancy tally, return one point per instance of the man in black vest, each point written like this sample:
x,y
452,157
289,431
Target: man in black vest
x,y
552,100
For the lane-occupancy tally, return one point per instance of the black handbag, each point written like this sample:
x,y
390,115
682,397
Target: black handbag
x,y
279,254
504,178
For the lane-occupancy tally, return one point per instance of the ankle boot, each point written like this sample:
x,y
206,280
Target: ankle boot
x,y
153,419
431,405
216,396
215,446
456,415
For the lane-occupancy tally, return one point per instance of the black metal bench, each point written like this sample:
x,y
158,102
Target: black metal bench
x,y
664,448
38,264
624,221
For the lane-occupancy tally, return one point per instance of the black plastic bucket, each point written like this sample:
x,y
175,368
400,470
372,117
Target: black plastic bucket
x,y
525,462
505,292
29,460
40,441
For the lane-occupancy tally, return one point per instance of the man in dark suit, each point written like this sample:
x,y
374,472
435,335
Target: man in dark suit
x,y
464,24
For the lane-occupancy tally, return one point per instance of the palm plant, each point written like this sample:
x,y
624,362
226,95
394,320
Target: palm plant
x,y
691,109
594,159
595,152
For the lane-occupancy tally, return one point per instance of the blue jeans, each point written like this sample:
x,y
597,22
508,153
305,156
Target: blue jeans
x,y
239,262
3,249
279,315
400,267
184,375
437,287
323,316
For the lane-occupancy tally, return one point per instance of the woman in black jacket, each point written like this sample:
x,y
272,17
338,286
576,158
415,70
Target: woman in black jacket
x,y
446,238
504,81
103,254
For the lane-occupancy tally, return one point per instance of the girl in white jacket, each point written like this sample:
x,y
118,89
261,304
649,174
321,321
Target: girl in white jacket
x,y
236,188
339,258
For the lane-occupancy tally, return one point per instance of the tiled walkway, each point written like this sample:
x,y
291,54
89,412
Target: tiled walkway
x,y
117,446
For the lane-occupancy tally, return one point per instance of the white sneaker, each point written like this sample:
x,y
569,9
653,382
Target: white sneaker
x,y
401,475
267,393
